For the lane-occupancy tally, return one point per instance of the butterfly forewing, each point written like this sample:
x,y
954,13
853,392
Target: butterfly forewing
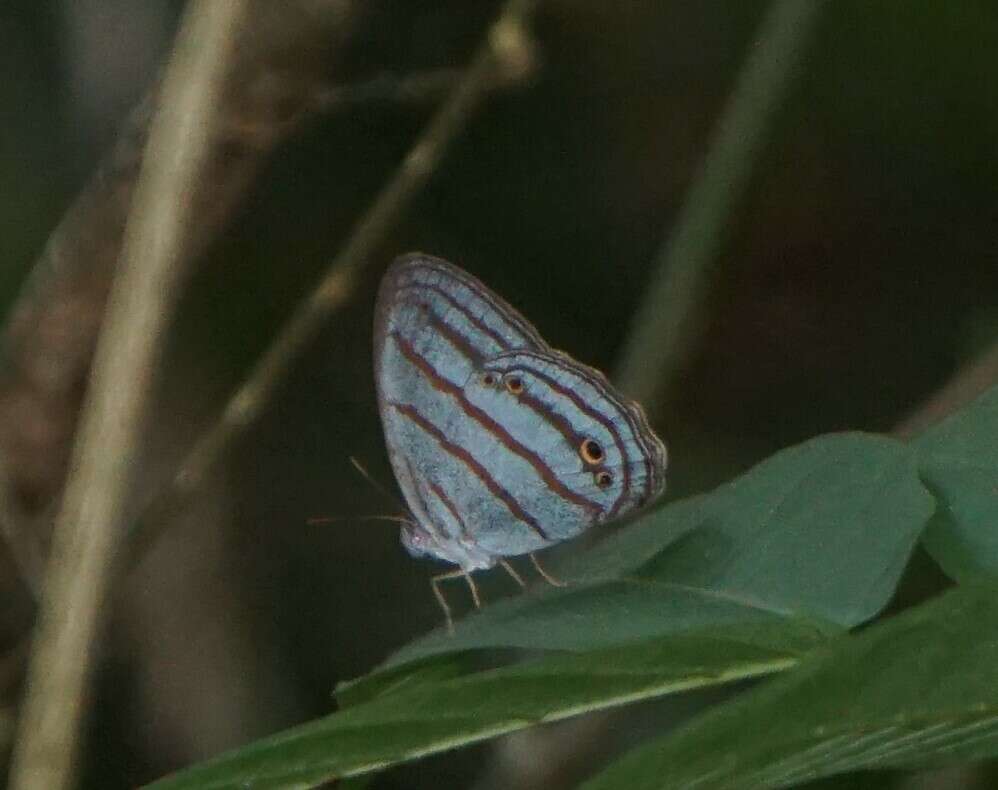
x,y
434,327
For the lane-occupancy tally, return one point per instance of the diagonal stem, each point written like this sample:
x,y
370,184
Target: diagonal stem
x,y
505,49
666,324
93,513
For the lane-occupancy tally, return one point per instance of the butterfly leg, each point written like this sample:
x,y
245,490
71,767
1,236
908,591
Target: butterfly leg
x,y
512,572
438,593
545,575
474,589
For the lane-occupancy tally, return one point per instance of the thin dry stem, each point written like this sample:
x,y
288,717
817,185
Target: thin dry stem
x,y
416,89
278,79
341,278
92,516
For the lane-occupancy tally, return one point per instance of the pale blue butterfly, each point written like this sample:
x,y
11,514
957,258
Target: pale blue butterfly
x,y
501,445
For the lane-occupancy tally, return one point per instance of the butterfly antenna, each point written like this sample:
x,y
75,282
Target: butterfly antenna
x,y
380,489
362,471
331,519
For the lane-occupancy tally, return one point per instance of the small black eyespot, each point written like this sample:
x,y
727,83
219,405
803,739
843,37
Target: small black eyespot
x,y
604,479
514,384
591,451
489,379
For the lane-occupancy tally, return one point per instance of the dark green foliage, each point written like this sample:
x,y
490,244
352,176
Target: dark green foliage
x,y
754,578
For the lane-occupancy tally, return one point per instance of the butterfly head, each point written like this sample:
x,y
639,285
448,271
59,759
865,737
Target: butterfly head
x,y
417,541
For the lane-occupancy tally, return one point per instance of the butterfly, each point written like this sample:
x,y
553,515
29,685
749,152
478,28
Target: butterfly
x,y
501,445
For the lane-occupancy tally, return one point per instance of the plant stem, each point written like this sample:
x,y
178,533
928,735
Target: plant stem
x,y
668,322
91,520
506,49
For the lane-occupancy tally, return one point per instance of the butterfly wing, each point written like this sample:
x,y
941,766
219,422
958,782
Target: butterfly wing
x,y
500,444
596,456
434,327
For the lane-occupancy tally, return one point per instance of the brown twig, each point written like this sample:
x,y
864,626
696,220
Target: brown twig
x,y
50,336
505,50
279,78
420,88
93,511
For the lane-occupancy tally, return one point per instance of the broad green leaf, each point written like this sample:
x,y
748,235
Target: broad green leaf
x,y
727,585
601,615
920,689
822,529
391,681
959,463
442,713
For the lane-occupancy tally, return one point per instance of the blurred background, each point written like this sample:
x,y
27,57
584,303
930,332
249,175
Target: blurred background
x,y
854,278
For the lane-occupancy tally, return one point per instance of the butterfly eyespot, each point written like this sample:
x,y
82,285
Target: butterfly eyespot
x,y
514,384
604,479
591,451
489,379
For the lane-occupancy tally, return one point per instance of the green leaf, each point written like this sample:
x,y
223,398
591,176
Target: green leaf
x,y
737,583
390,681
443,713
920,689
959,463
822,529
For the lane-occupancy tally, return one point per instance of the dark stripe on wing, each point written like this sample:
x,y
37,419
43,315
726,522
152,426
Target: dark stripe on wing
x,y
574,439
426,522
449,504
475,320
557,421
462,343
445,385
410,412
507,312
596,415
465,346
641,430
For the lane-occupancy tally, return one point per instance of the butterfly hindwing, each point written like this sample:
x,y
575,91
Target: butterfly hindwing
x,y
596,455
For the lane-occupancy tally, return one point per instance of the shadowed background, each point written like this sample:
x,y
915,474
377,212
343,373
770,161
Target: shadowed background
x,y
856,276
